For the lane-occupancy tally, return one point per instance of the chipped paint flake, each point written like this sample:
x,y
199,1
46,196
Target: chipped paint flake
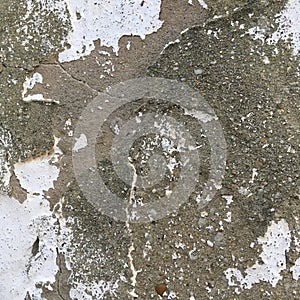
x,y
38,175
296,269
24,271
228,198
20,269
275,244
29,84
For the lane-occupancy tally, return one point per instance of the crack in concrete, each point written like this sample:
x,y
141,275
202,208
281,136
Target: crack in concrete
x,y
131,248
58,277
60,66
250,5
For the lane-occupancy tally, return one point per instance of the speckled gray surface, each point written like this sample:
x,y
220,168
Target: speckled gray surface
x,y
253,88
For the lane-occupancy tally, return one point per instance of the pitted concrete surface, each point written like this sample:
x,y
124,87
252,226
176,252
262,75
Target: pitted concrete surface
x,y
243,244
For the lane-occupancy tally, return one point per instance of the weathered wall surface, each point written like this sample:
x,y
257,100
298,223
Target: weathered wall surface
x,y
183,185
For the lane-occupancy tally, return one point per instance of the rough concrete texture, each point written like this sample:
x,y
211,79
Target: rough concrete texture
x,y
243,244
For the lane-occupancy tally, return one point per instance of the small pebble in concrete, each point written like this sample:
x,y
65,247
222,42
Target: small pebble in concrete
x,y
160,288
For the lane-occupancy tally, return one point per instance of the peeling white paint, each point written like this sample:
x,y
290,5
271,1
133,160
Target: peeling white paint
x,y
107,21
288,27
5,144
20,226
38,175
29,84
32,23
275,244
102,287
21,270
296,269
31,81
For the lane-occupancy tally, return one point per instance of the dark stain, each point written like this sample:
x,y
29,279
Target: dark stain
x,y
35,247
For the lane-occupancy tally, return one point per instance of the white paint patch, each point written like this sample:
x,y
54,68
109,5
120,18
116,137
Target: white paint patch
x,y
275,244
29,84
38,175
288,27
257,33
244,191
107,21
20,226
80,143
23,271
5,144
296,269
266,60
209,243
